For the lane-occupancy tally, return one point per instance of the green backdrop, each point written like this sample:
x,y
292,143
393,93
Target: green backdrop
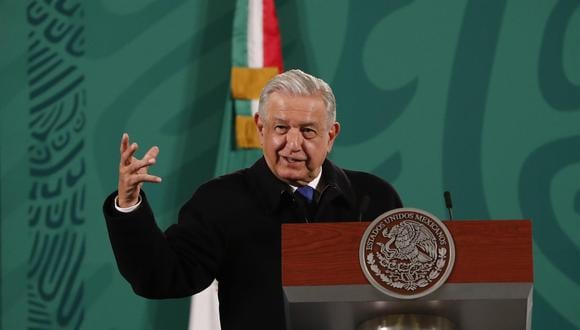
x,y
478,97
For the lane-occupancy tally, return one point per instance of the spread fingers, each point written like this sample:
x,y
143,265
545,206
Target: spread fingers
x,y
144,177
127,154
138,164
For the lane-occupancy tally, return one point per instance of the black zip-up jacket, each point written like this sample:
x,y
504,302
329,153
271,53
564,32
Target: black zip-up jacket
x,y
230,230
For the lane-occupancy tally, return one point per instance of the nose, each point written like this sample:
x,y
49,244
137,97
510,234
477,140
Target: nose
x,y
294,140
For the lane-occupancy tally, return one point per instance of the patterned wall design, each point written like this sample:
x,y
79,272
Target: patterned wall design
x,y
478,97
57,165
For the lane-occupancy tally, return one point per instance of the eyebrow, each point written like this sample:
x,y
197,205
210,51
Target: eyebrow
x,y
285,121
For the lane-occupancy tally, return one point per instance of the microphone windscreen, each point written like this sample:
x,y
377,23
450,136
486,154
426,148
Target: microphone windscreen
x,y
364,205
447,196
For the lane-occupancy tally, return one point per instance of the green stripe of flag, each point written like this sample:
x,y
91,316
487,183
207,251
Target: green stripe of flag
x,y
240,35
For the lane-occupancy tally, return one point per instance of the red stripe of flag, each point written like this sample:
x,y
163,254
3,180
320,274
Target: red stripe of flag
x,y
272,45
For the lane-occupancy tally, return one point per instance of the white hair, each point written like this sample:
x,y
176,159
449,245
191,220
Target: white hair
x,y
298,83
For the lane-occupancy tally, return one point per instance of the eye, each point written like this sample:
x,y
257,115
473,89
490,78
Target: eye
x,y
281,129
308,133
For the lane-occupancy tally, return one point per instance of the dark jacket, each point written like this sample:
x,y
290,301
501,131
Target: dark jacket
x,y
230,230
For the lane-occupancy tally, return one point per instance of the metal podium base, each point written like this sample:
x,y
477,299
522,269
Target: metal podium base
x,y
407,322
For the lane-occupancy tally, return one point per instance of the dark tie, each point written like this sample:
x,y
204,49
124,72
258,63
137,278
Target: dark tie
x,y
307,192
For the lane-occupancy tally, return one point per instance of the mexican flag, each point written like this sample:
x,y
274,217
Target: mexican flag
x,y
256,58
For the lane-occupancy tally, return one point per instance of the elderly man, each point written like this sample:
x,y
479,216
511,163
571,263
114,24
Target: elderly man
x,y
230,228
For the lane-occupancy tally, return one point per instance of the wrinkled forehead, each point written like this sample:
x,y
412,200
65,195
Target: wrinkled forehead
x,y
279,102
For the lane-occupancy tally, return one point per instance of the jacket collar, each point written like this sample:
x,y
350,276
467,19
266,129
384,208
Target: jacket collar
x,y
273,191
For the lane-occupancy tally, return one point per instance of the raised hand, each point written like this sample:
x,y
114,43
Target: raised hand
x,y
133,172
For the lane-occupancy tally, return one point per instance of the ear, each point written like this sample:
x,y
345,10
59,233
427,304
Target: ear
x,y
259,127
332,134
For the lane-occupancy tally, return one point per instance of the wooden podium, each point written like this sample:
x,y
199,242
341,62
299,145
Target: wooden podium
x,y
490,286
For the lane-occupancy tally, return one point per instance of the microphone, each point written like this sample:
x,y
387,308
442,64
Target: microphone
x,y
448,203
364,205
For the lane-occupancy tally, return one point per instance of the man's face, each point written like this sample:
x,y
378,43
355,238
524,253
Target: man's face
x,y
295,136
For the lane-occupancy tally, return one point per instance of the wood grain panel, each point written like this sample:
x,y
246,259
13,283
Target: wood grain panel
x,y
487,251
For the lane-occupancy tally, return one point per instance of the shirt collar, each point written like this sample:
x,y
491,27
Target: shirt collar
x,y
313,183
272,190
